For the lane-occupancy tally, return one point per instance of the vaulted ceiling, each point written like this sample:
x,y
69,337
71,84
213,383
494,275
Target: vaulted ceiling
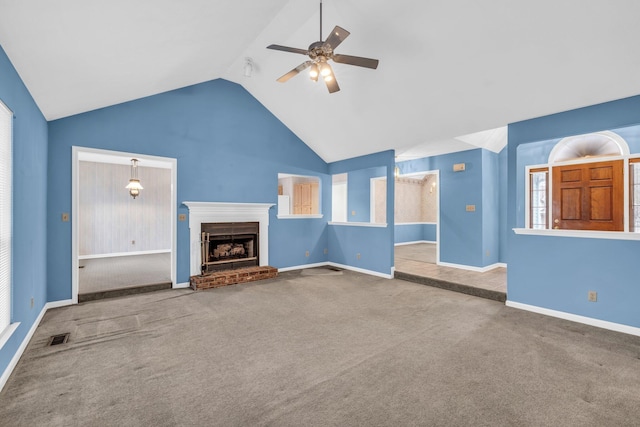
x,y
448,69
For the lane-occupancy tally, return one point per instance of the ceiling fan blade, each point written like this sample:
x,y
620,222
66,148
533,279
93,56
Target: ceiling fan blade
x,y
336,37
332,83
288,49
356,60
295,71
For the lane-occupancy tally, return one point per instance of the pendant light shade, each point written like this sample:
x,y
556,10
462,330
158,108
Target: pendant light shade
x,y
134,185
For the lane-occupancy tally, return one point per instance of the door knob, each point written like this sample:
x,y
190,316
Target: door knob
x,y
556,221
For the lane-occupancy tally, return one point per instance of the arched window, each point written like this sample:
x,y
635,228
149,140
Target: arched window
x,y
583,186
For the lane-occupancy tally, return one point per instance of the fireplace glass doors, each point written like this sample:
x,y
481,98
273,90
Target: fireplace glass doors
x,y
229,245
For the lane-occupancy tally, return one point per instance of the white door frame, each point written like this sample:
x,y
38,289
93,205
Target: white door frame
x,y
125,158
435,172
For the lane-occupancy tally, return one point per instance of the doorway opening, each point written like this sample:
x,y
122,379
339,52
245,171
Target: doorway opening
x,y
122,245
417,218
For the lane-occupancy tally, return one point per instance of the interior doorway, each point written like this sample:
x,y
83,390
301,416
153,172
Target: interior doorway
x,y
122,245
417,219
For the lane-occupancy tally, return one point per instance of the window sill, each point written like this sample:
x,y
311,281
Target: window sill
x,y
416,223
587,234
6,334
360,224
299,216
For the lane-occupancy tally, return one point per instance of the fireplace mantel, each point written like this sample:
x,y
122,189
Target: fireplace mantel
x,y
204,212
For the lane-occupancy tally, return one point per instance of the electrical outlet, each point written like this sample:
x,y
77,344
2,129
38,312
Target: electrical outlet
x,y
471,208
357,256
353,213
133,242
31,302
593,296
326,251
182,217
306,254
488,253
65,217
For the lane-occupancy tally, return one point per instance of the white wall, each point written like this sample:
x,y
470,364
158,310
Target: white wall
x,y
110,219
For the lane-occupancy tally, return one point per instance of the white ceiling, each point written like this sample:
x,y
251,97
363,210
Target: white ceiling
x,y
447,68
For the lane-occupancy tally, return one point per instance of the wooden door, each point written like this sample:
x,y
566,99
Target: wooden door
x,y
588,196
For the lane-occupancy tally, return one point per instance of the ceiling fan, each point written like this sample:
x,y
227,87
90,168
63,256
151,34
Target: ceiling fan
x,y
320,53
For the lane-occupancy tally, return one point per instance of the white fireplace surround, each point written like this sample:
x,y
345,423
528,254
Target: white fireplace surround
x,y
206,212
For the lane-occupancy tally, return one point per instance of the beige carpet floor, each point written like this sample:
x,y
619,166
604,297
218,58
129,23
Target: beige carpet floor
x,y
320,350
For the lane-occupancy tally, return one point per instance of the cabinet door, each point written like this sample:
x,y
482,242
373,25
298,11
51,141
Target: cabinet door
x,y
314,198
297,199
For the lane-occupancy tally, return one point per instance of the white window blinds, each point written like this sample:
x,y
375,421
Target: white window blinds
x,y
6,117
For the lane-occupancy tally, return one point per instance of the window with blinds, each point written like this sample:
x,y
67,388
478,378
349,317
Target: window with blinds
x,y
6,117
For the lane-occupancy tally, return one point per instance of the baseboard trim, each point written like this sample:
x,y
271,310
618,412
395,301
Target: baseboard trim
x,y
182,285
302,267
343,266
116,254
361,270
472,268
415,242
56,304
617,327
23,346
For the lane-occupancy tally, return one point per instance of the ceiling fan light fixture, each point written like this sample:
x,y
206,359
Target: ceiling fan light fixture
x,y
320,53
314,72
326,70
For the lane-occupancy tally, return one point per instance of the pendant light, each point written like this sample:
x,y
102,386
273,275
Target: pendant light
x,y
134,186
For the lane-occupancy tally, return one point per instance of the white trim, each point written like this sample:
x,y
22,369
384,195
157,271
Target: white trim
x,y
416,223
470,267
299,216
303,266
182,285
372,196
344,267
82,152
57,304
206,212
617,327
18,354
362,270
415,242
118,254
359,224
611,136
6,334
500,264
587,234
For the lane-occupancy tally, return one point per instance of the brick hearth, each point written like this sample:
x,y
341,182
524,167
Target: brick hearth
x,y
232,277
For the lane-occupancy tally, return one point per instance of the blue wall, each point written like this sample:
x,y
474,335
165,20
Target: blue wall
x,y
359,193
490,207
557,272
374,244
461,232
229,149
29,207
415,232
504,229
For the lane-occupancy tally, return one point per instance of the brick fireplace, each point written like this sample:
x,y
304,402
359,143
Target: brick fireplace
x,y
227,216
